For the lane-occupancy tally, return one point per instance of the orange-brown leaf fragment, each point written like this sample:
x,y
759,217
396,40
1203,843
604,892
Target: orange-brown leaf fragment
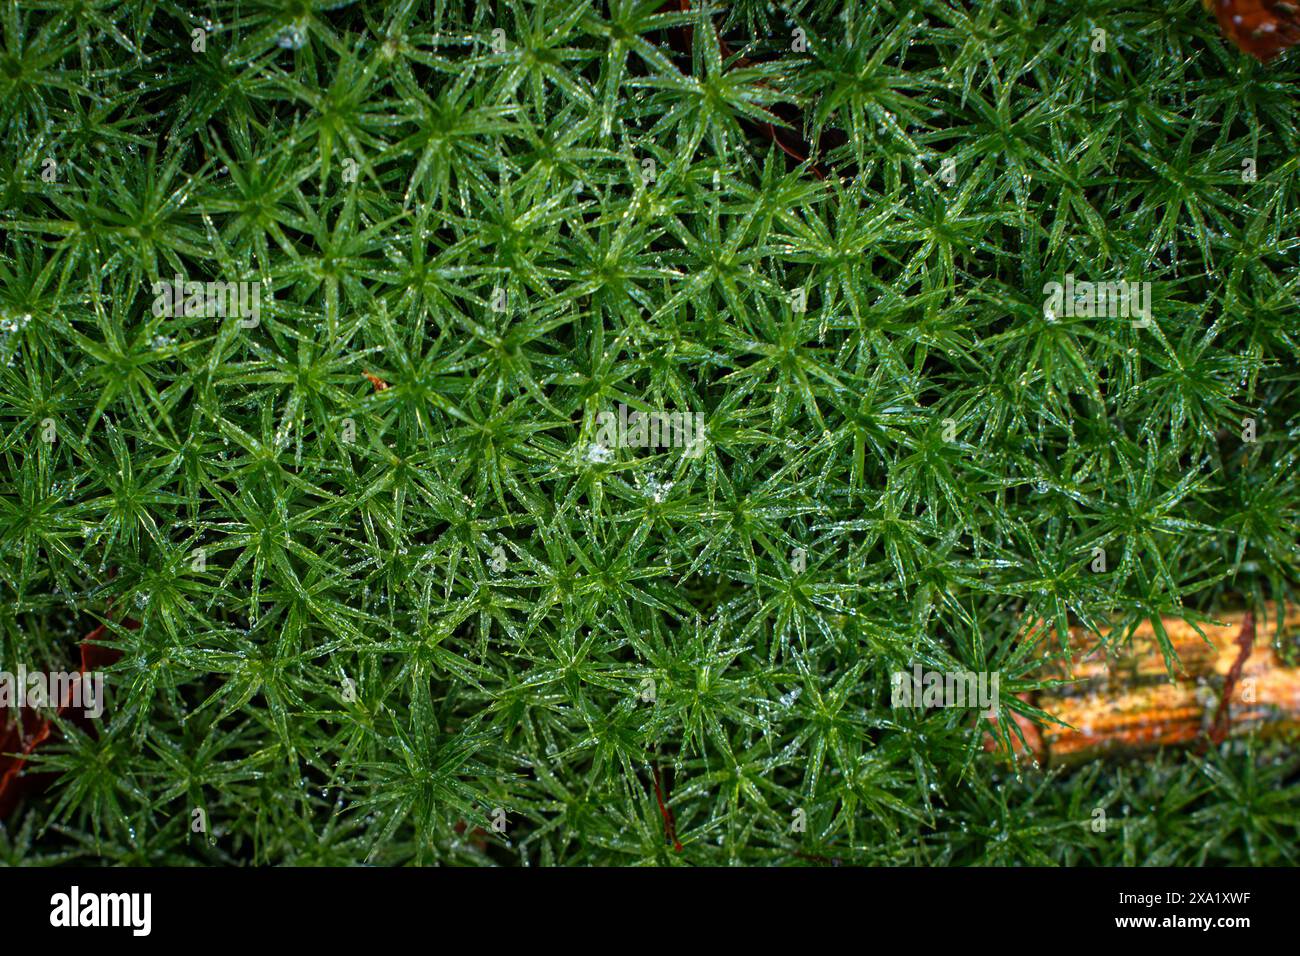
x,y
1262,28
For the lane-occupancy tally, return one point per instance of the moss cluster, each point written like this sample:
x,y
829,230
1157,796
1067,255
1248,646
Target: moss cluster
x,y
400,601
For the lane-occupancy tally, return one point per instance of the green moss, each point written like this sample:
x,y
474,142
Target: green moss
x,y
373,616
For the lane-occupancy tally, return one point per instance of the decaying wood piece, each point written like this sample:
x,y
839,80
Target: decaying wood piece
x,y
1231,685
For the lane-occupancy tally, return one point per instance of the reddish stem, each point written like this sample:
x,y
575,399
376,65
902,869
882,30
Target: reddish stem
x,y
670,821
1245,641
